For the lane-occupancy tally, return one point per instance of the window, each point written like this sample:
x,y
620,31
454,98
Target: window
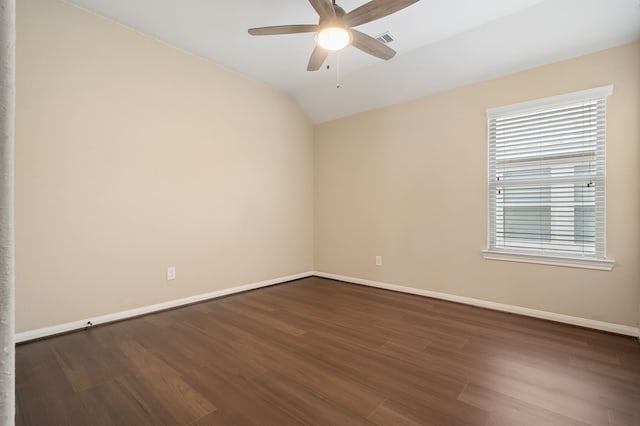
x,y
547,180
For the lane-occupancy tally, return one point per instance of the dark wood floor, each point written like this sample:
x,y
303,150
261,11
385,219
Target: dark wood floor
x,y
320,352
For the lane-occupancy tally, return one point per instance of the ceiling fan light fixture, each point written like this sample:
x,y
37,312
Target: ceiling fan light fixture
x,y
333,38
335,28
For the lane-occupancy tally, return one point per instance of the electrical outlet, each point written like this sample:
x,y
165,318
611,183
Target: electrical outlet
x,y
378,260
171,273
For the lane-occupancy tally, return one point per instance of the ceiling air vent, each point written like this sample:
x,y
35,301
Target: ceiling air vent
x,y
385,38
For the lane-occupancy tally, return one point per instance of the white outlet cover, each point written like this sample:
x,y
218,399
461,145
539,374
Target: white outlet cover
x,y
378,260
171,273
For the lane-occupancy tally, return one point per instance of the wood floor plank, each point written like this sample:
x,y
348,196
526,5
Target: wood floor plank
x,y
385,415
142,361
505,409
222,418
376,369
560,396
177,401
309,404
85,369
116,402
435,410
45,396
618,418
256,315
319,377
239,396
316,351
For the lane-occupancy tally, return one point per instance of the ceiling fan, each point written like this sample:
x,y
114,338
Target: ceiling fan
x,y
335,28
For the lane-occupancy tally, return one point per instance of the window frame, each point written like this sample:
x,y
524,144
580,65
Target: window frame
x,y
596,261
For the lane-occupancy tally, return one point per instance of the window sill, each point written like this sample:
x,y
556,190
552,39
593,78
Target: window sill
x,y
571,262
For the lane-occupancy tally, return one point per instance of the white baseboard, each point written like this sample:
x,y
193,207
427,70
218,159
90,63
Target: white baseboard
x,y
80,324
567,319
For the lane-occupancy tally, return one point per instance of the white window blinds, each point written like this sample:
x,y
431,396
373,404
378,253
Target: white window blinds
x,y
547,176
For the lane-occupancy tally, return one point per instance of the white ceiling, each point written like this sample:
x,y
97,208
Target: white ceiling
x,y
441,44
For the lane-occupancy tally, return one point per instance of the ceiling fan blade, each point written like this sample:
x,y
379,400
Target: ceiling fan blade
x,y
324,8
373,10
371,46
317,58
284,29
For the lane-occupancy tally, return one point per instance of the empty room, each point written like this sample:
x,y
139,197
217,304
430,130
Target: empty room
x,y
306,212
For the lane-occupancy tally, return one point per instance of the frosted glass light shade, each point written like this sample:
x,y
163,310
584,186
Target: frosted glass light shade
x,y
333,38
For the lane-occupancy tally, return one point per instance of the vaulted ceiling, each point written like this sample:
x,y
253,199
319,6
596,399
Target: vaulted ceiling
x,y
441,44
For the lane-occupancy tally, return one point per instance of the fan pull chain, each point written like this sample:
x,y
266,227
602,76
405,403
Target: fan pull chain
x,y
338,70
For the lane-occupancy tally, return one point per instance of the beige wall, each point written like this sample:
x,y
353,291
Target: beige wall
x,y
133,156
408,183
